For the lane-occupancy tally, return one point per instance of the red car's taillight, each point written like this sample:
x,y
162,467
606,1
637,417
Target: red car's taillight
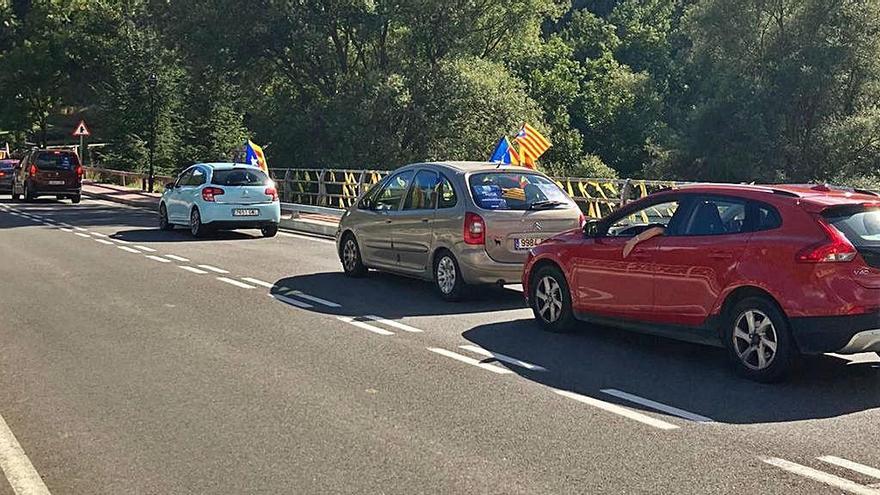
x,y
582,221
835,249
271,191
32,171
209,193
79,171
474,229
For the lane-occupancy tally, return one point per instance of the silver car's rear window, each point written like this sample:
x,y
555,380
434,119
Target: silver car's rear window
x,y
509,190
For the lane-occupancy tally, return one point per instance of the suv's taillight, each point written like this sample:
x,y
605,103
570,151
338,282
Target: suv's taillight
x,y
836,248
32,171
209,193
474,229
271,191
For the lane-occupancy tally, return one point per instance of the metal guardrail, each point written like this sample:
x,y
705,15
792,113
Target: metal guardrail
x,y
125,179
339,188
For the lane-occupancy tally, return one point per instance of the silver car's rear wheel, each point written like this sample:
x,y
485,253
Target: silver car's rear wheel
x,y
352,263
446,275
755,340
549,301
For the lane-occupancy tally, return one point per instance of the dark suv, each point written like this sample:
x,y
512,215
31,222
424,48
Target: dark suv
x,y
48,173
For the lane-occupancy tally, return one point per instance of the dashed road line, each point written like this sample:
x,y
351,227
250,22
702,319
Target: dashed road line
x,y
177,258
144,248
65,229
128,249
259,282
503,357
157,258
104,241
212,269
852,466
19,470
392,323
619,410
82,235
471,361
303,295
659,406
119,241
192,269
822,477
232,281
365,326
292,302
80,229
98,234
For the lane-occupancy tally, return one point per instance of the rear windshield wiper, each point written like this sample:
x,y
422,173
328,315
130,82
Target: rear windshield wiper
x,y
546,204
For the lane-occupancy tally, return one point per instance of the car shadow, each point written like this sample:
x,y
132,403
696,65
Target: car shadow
x,y
688,376
392,296
182,235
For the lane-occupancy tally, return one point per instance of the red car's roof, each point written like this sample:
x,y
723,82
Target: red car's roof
x,y
819,195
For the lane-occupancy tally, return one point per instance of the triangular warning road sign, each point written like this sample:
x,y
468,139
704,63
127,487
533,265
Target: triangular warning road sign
x,y
81,129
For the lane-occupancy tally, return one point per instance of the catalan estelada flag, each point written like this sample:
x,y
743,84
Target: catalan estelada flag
x,y
254,155
532,144
505,152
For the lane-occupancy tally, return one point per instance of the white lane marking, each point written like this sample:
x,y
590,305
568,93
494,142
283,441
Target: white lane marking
x,y
365,326
177,258
213,269
130,250
503,357
66,229
395,324
145,248
822,477
157,258
66,225
259,282
659,406
81,229
82,235
192,269
303,295
102,241
22,476
232,281
619,410
292,302
98,234
119,241
307,238
852,466
470,360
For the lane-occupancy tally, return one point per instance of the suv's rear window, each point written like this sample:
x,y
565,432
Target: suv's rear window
x,y
861,225
240,177
56,160
507,190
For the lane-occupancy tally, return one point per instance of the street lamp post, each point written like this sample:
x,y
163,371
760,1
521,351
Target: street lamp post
x,y
152,82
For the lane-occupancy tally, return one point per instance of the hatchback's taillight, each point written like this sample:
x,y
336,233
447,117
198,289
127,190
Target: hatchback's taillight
x,y
33,170
474,229
271,191
835,249
209,193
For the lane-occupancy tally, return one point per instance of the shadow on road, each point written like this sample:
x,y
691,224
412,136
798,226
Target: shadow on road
x,y
181,234
688,376
392,296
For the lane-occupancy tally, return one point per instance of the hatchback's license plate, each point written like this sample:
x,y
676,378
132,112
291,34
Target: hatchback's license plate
x,y
56,182
526,243
238,212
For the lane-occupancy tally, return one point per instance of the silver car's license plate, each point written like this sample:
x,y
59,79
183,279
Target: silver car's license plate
x,y
242,212
528,243
56,182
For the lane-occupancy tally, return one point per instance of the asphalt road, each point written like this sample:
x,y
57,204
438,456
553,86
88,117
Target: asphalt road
x,y
139,361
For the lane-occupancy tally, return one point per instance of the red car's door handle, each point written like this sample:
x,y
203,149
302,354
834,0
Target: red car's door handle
x,y
719,255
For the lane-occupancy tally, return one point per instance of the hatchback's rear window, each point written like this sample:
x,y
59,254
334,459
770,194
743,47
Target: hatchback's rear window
x,y
509,190
240,177
56,160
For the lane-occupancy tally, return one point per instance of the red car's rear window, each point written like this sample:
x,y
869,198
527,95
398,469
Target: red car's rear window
x,y
56,160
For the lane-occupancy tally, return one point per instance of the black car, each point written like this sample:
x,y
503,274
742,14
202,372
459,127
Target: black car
x,y
7,174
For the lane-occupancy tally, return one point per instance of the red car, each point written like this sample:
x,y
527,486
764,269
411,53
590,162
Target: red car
x,y
48,173
768,272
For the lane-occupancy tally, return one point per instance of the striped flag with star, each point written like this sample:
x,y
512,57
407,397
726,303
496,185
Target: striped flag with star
x,y
532,144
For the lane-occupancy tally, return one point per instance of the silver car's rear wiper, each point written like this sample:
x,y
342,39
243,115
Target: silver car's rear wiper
x,y
546,204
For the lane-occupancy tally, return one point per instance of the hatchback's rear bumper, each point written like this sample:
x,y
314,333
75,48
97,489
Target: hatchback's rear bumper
x,y
221,215
840,334
478,268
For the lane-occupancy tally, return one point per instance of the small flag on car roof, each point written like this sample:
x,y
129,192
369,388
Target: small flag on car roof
x,y
253,155
505,152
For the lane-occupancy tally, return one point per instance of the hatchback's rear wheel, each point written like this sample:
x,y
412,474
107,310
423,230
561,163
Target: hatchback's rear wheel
x,y
269,230
551,300
164,224
447,277
28,194
352,263
196,227
758,340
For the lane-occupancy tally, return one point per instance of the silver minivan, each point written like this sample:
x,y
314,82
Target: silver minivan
x,y
455,223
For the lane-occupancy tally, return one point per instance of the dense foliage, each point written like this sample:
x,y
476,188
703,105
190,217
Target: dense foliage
x,y
740,90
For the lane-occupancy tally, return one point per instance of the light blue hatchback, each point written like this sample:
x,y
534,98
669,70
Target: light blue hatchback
x,y
215,196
